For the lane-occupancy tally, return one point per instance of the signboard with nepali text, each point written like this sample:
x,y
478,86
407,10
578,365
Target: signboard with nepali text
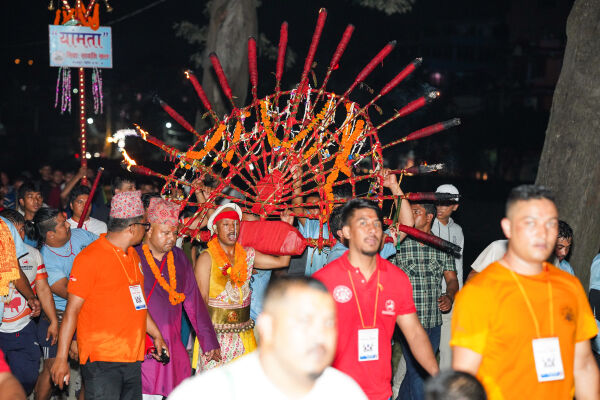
x,y
80,46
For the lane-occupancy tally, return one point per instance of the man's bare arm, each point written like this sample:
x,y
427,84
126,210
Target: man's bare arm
x,y
60,369
445,301
418,341
465,360
59,288
10,388
587,377
45,296
406,216
23,286
265,261
202,273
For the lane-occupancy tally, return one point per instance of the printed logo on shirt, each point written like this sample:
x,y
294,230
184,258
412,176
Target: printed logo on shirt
x,y
568,314
389,307
72,278
342,294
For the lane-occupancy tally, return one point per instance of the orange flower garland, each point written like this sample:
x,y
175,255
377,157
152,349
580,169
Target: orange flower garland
x,y
174,297
212,142
238,273
274,142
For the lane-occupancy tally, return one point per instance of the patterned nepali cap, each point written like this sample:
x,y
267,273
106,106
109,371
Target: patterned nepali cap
x,y
161,211
126,205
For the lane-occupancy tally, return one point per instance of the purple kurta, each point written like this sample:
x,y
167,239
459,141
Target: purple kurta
x,y
162,379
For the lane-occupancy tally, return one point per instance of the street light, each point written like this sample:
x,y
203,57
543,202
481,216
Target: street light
x,y
90,120
168,125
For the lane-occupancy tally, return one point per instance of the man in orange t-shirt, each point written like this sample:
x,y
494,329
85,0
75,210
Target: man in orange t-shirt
x,y
106,302
522,326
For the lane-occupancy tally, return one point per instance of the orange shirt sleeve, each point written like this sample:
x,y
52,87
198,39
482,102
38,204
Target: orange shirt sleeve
x,y
470,326
586,322
83,275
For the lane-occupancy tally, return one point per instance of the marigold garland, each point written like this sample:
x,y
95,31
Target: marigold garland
x,y
174,297
238,273
272,138
212,142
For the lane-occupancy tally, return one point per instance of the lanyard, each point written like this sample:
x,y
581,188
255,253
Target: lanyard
x,y
362,321
530,307
124,270
60,255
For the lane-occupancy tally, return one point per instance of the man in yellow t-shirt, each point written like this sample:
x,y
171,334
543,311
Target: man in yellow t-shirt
x,y
522,326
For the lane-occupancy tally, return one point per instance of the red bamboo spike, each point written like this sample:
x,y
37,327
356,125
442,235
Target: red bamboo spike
x,y
283,39
410,108
427,131
214,59
252,67
313,47
337,55
396,80
432,240
177,117
200,92
387,49
430,196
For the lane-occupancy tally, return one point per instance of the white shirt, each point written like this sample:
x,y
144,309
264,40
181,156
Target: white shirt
x,y
453,233
245,379
91,225
490,254
16,312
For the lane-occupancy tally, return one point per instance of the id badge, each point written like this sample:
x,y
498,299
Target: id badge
x,y
548,362
368,344
138,297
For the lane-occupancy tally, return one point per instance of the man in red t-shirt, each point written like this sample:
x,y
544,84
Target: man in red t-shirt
x,y
371,294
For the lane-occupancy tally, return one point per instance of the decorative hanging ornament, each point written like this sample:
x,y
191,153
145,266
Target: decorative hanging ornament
x,y
97,91
64,90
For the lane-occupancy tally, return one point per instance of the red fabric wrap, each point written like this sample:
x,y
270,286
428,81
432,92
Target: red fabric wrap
x,y
227,214
272,237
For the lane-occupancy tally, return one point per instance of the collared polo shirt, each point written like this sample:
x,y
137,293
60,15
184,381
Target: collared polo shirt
x,y
394,299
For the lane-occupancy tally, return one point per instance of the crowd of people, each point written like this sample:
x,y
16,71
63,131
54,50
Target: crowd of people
x,y
143,313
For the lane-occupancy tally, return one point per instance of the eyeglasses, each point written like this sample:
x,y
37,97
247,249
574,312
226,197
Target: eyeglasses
x,y
146,225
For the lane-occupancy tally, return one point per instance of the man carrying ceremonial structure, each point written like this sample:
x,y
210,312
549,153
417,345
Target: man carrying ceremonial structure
x,y
169,284
223,274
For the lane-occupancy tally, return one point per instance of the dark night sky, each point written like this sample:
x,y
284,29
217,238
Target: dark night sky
x,y
499,60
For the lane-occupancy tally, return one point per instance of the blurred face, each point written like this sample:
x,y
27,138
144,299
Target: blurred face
x,y
62,232
301,332
31,202
58,177
364,232
562,248
422,219
146,188
162,237
68,176
78,204
444,211
21,229
138,231
46,172
4,179
228,231
313,209
531,228
126,186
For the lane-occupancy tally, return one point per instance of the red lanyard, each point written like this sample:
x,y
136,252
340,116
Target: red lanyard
x,y
60,255
362,321
125,270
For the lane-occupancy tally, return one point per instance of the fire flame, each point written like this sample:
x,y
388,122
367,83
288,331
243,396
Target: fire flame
x,y
130,161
